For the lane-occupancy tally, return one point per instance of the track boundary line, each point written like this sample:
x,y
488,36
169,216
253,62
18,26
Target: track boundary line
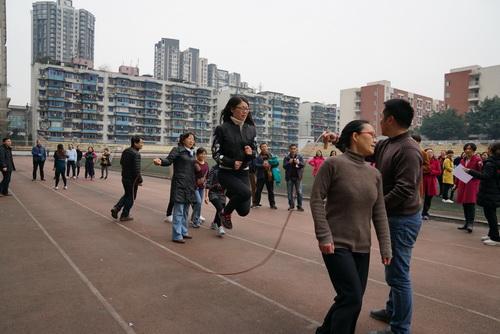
x,y
109,308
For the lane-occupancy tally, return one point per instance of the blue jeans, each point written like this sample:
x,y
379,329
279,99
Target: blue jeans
x,y
199,192
404,231
180,218
290,185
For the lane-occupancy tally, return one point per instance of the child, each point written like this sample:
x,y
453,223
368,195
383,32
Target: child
x,y
215,194
201,171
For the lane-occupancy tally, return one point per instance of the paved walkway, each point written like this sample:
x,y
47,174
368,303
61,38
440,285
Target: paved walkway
x,y
67,267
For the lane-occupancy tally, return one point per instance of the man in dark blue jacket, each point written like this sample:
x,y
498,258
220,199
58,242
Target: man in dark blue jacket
x,y
39,155
131,178
6,165
293,164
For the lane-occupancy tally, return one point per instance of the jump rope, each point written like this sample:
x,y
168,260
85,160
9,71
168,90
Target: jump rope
x,y
259,264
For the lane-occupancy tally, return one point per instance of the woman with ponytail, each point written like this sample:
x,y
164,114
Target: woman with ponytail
x,y
233,148
354,197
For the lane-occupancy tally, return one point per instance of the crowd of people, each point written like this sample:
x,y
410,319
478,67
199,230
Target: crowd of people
x,y
68,161
389,184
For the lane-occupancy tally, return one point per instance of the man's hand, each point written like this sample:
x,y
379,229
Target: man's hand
x,y
237,164
327,248
386,261
157,162
248,150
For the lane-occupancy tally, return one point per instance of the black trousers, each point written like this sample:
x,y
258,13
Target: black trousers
x,y
4,185
127,200
469,213
490,212
38,165
89,169
348,272
71,164
104,170
218,201
270,191
238,191
446,190
60,173
427,205
78,163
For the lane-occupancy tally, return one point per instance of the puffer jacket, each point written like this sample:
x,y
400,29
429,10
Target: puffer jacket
x,y
183,179
228,144
489,186
131,165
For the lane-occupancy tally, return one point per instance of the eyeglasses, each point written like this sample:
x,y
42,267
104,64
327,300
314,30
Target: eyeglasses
x,y
373,134
243,108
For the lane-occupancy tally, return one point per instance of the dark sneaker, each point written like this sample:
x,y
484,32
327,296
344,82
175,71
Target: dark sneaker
x,y
114,213
274,207
126,219
380,315
226,220
290,208
299,208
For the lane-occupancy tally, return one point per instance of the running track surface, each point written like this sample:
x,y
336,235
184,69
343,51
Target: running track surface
x,y
68,267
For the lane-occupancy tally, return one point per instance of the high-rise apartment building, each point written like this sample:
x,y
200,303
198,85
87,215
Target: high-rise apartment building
x,y
62,33
167,59
314,118
367,103
79,104
466,87
4,100
203,72
212,75
189,62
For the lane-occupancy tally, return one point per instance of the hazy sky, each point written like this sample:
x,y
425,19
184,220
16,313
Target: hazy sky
x,y
310,49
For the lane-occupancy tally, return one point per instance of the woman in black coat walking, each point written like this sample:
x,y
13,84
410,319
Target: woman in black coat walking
x,y
233,148
489,192
183,184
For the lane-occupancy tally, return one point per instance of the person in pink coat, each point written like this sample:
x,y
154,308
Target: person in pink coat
x,y
430,181
316,162
467,192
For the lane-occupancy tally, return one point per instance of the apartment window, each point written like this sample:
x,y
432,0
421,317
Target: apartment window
x,y
447,83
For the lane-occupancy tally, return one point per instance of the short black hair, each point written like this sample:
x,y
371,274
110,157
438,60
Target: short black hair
x,y
260,145
201,150
183,136
135,140
450,152
416,137
5,139
472,146
495,149
401,110
292,145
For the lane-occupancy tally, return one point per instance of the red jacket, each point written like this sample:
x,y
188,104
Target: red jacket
x,y
430,177
467,193
316,163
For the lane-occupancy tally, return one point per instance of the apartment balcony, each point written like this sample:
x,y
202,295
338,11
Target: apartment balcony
x,y
473,98
473,85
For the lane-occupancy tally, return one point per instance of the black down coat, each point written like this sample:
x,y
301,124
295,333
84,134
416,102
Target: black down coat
x,y
183,180
489,187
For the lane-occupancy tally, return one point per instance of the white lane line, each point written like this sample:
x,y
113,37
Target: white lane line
x,y
440,301
311,321
111,310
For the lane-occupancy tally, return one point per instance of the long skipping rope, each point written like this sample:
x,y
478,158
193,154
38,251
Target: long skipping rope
x,y
189,265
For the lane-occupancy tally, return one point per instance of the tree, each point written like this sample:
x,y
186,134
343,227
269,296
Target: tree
x,y
486,119
444,125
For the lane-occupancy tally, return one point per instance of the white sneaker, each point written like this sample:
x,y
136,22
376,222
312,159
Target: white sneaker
x,y
213,226
444,200
202,218
65,187
490,242
221,232
449,201
56,188
484,238
169,219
